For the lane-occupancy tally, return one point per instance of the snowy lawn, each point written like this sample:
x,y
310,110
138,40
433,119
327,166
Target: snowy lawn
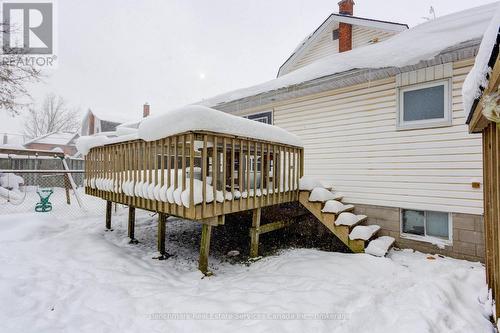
x,y
69,275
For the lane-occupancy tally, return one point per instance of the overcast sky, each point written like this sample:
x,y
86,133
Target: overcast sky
x,y
117,54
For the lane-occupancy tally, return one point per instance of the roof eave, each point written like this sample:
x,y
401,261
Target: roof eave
x,y
491,63
461,51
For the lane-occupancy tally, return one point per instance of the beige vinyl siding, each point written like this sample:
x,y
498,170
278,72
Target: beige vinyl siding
x,y
362,36
351,141
325,45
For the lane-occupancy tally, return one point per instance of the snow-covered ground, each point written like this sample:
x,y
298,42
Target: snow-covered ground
x,y
61,274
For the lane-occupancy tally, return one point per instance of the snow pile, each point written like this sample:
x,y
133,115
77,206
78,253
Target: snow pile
x,y
308,183
477,80
349,219
68,275
379,247
85,143
364,232
189,118
335,207
11,181
11,195
409,47
147,184
320,194
9,187
196,117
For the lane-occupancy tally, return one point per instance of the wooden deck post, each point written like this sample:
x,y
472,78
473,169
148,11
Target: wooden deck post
x,y
206,232
254,233
162,221
131,225
108,215
66,188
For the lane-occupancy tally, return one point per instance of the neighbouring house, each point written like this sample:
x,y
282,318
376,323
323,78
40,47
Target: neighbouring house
x,y
97,121
12,139
63,141
481,93
379,110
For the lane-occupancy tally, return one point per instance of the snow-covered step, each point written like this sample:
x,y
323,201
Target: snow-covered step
x,y
379,246
349,219
364,232
319,194
336,207
337,195
307,183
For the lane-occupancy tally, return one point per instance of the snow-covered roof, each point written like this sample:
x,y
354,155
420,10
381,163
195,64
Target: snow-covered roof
x,y
409,47
477,79
193,118
335,19
54,138
111,116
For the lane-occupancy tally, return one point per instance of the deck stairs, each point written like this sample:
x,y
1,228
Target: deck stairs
x,y
326,205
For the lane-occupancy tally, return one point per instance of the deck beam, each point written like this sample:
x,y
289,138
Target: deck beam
x,y
268,227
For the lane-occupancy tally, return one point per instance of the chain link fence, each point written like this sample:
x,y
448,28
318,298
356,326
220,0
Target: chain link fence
x,y
47,192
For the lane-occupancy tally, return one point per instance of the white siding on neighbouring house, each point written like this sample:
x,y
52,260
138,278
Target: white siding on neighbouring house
x,y
350,139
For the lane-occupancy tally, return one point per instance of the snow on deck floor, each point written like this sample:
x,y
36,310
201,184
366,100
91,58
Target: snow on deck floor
x,y
66,275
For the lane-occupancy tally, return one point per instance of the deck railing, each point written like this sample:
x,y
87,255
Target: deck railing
x,y
196,175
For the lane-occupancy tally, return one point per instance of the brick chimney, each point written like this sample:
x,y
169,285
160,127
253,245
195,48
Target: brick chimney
x,y
145,110
346,7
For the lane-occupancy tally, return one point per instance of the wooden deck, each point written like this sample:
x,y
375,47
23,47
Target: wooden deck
x,y
203,176
248,173
208,175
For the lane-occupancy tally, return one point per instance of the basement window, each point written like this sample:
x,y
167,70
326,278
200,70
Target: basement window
x,y
424,105
430,226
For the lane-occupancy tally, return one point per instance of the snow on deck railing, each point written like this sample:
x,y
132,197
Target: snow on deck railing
x,y
196,174
190,118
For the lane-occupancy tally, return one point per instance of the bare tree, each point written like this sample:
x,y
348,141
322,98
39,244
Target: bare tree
x,y
15,74
54,115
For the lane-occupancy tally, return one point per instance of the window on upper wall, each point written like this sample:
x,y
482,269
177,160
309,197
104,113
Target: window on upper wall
x,y
335,34
426,225
424,105
263,117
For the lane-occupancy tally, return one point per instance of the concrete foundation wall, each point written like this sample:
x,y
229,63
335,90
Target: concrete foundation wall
x,y
467,234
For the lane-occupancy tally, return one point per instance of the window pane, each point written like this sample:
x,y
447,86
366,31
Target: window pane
x,y
413,222
263,117
437,224
426,103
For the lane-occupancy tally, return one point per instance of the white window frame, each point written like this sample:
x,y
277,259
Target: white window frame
x,y
426,238
425,123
